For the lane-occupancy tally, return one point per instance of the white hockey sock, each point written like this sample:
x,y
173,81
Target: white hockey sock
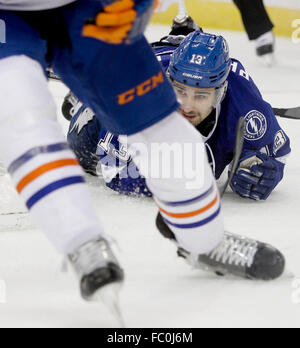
x,y
44,169
193,212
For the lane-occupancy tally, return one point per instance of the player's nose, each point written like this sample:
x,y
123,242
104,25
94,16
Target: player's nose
x,y
186,107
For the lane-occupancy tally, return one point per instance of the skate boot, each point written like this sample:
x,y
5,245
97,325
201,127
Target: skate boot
x,y
240,256
184,26
97,269
265,47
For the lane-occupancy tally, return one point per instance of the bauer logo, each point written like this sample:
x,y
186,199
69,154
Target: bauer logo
x,y
2,292
256,125
2,31
296,32
296,292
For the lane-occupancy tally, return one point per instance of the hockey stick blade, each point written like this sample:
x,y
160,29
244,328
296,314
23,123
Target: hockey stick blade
x,y
291,113
238,148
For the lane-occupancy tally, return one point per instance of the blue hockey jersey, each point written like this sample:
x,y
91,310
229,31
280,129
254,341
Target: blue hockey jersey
x,y
95,147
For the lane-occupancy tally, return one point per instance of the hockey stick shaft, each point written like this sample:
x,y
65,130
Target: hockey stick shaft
x,y
291,113
238,148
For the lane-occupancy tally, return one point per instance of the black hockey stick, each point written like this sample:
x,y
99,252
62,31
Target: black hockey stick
x,y
238,148
291,113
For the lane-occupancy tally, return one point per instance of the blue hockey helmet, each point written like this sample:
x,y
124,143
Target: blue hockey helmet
x,y
202,60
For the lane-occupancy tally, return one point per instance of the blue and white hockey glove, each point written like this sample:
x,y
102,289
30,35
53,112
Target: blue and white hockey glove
x,y
121,21
257,176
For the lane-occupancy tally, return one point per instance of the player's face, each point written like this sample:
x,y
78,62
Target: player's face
x,y
196,103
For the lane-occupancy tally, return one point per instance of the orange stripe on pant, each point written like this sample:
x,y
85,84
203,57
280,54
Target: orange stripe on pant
x,y
44,169
193,213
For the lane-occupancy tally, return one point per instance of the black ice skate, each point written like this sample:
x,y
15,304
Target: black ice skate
x,y
236,255
99,273
97,267
265,48
184,26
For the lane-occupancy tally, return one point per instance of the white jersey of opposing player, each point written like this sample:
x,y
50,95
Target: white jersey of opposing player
x,y
32,5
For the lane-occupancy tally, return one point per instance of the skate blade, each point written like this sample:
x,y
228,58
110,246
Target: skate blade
x,y
109,295
269,60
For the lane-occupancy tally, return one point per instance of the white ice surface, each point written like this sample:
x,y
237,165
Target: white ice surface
x,y
160,290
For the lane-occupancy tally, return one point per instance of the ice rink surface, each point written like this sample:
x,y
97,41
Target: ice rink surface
x,y
160,289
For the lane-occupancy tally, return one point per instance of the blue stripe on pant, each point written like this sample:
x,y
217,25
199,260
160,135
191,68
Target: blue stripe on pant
x,y
35,152
195,224
53,187
190,201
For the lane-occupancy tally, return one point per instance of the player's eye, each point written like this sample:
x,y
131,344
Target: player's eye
x,y
180,92
201,97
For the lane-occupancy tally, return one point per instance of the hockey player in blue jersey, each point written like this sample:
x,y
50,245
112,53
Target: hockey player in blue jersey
x,y
212,105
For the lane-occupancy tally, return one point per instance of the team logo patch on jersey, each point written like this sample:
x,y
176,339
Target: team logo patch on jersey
x,y
256,125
